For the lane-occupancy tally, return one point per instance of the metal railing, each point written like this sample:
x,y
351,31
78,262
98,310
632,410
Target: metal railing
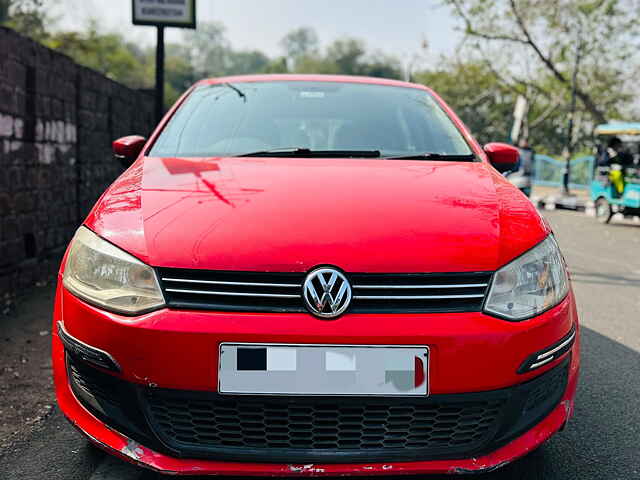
x,y
548,171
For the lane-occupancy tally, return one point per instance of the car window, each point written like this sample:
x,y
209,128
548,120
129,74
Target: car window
x,y
232,119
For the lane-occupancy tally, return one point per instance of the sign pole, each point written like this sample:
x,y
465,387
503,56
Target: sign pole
x,y
160,74
161,14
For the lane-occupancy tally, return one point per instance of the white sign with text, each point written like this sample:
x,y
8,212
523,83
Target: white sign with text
x,y
172,13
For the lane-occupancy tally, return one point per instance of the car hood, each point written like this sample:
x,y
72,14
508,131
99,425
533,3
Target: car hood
x,y
291,214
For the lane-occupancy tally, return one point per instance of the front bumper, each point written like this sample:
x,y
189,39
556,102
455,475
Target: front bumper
x,y
134,443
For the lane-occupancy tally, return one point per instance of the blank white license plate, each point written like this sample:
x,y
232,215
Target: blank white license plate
x,y
279,369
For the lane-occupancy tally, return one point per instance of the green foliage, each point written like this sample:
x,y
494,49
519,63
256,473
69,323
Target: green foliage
x,y
206,49
25,16
209,53
348,56
485,103
277,65
544,39
301,42
244,62
108,53
474,92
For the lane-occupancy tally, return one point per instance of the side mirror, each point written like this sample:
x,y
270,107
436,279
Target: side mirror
x,y
502,156
127,149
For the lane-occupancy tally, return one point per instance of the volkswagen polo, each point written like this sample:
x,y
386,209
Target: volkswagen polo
x,y
318,275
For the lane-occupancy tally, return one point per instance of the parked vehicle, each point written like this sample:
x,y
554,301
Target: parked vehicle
x,y
616,183
304,275
522,176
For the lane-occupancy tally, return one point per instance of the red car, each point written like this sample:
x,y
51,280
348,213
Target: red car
x,y
314,275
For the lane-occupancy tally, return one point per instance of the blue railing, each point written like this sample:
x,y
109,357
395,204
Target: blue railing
x,y
548,171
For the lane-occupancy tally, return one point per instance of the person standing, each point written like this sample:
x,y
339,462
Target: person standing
x,y
617,160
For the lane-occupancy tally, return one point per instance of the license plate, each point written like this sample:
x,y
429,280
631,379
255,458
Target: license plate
x,y
279,369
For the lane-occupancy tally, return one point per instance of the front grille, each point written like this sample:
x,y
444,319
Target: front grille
x,y
282,292
417,293
232,291
381,428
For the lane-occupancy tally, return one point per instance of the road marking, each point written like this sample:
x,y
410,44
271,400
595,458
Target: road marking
x,y
112,468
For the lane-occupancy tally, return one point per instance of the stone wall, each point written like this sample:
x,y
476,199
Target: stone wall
x,y
57,121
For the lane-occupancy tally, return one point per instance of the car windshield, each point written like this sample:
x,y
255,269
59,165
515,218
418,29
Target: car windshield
x,y
246,117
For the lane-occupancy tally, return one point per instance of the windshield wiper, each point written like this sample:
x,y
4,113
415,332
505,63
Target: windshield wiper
x,y
433,156
306,152
240,93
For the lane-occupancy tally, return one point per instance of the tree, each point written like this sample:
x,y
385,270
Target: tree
x,y
242,62
346,53
107,53
299,43
473,91
484,99
210,54
545,33
381,65
349,55
207,49
178,71
25,16
346,56
277,65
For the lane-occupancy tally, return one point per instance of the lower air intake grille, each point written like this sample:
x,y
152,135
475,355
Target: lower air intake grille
x,y
288,429
330,425
282,292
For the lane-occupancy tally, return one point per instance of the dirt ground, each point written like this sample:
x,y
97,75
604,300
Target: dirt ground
x,y
26,386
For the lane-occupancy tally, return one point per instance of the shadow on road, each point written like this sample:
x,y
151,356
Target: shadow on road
x,y
605,279
623,223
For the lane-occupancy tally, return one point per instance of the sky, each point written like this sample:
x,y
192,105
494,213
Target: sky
x,y
395,27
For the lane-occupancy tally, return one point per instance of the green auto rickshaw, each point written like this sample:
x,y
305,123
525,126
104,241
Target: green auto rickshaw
x,y
615,187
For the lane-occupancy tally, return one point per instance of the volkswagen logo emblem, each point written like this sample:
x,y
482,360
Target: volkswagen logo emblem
x,y
326,292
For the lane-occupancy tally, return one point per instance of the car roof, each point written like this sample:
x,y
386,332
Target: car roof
x,y
311,78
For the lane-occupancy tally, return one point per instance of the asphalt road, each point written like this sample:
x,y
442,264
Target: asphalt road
x,y
602,441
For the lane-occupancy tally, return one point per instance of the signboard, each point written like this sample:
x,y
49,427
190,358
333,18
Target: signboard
x,y
165,13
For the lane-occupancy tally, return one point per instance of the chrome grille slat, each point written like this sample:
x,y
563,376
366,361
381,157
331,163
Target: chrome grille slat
x,y
413,297
231,294
217,282
281,292
392,287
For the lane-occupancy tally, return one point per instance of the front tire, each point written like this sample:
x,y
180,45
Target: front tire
x,y
603,210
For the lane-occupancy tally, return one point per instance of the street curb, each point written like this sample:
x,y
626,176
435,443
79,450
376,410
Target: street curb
x,y
559,202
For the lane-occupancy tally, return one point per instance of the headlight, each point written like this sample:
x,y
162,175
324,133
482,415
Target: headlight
x,y
530,284
106,276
